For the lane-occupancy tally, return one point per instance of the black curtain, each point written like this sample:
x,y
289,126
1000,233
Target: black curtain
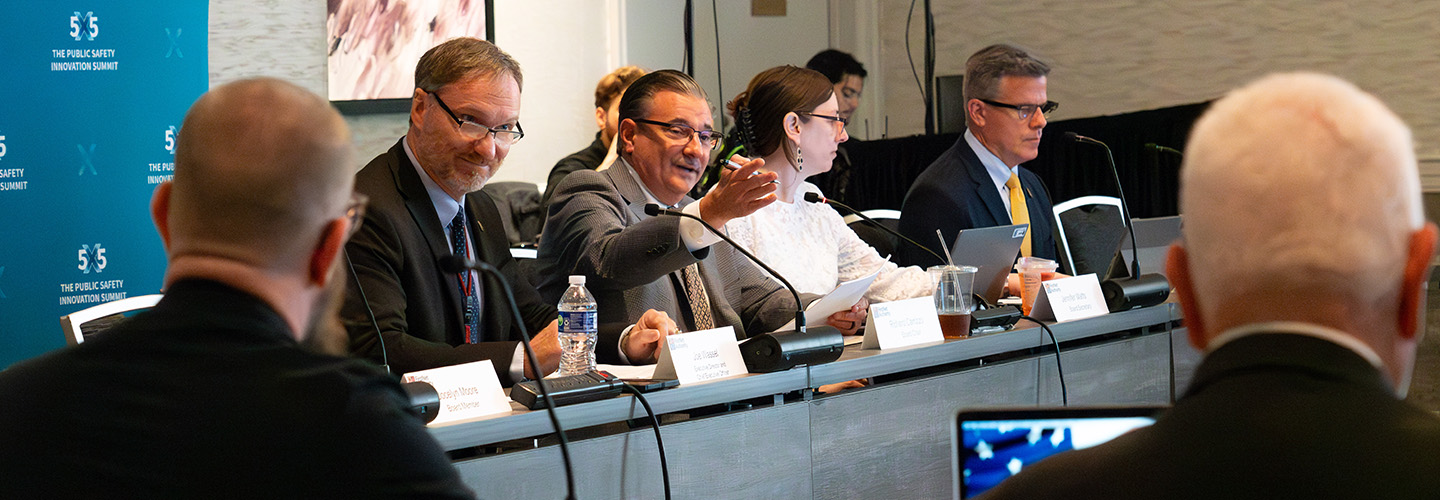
x,y
881,171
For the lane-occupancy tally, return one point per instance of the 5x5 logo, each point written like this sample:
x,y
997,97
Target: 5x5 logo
x,y
91,259
85,27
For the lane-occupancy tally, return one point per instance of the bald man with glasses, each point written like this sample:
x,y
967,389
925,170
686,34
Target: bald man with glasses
x,y
979,182
426,204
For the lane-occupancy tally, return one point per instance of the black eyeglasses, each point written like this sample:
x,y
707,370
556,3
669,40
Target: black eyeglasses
x,y
842,121
710,139
503,134
1025,110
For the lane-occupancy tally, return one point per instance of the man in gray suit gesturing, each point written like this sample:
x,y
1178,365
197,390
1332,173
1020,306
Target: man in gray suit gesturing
x,y
597,225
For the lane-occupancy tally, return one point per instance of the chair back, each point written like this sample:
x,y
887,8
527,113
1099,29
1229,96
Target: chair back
x,y
89,321
1089,230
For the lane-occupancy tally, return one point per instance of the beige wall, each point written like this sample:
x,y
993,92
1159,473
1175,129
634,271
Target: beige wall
x,y
1115,56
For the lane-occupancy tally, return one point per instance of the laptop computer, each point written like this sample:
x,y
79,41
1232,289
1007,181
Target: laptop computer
x,y
994,444
993,251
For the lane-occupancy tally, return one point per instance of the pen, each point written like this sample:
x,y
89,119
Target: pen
x,y
732,166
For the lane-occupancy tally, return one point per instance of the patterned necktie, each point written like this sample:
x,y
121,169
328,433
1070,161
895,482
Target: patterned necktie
x,y
458,242
1019,214
699,300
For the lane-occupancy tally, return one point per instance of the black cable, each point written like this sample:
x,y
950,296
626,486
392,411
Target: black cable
x,y
535,363
929,62
659,442
1064,395
384,355
719,79
688,65
908,57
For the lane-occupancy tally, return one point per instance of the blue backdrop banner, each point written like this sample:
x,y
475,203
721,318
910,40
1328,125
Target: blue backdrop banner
x,y
90,106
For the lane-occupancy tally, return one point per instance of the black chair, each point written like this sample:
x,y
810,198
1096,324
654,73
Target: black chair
x,y
883,242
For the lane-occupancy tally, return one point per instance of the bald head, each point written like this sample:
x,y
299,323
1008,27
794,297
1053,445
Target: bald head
x,y
261,167
1300,181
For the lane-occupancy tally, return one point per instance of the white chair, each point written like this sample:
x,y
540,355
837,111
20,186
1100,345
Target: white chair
x,y
73,322
877,214
1096,225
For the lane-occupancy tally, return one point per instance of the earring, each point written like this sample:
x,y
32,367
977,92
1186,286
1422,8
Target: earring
x,y
799,160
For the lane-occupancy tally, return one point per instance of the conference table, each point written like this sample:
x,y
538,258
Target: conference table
x,y
769,435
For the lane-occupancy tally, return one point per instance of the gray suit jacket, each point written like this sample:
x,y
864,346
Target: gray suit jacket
x,y
597,227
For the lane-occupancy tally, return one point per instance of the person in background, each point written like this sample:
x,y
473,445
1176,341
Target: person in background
x,y
214,392
847,76
636,261
979,182
602,150
1302,276
426,204
795,121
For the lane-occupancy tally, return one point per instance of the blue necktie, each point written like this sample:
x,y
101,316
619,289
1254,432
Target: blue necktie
x,y
458,243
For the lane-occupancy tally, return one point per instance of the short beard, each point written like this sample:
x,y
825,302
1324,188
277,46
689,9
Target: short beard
x,y
324,333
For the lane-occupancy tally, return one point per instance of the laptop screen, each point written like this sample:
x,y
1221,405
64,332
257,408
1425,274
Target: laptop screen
x,y
993,251
992,445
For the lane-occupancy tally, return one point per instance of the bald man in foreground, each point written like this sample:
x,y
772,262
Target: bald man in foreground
x,y
216,392
1302,276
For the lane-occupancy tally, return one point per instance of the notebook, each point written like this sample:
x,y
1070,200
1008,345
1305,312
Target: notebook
x,y
992,445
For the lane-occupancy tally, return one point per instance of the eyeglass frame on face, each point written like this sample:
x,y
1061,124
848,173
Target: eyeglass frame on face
x,y
1025,111
673,131
510,136
833,119
355,212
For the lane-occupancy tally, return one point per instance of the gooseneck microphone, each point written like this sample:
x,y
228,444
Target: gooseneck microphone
x,y
814,197
424,399
1164,149
779,350
1137,290
457,264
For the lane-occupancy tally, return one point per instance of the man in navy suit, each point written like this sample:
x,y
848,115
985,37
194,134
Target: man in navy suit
x,y
978,182
1302,276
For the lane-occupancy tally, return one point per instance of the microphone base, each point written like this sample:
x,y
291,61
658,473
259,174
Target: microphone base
x,y
424,400
1144,291
779,351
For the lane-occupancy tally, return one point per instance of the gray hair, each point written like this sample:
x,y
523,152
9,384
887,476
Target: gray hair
x,y
985,68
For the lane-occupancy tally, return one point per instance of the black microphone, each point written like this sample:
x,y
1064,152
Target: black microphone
x,y
1164,149
814,197
457,264
1137,290
779,350
424,399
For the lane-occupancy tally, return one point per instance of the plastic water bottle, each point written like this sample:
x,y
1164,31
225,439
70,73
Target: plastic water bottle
x,y
579,328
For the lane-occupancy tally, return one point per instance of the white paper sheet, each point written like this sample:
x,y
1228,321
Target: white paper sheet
x,y
839,299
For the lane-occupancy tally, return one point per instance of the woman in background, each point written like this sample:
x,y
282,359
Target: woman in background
x,y
794,124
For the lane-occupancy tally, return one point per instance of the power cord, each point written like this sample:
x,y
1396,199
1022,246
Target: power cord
x,y
659,442
1064,395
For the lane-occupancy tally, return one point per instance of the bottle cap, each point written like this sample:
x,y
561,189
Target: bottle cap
x,y
576,279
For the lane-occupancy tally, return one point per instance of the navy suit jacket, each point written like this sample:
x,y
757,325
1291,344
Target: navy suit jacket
x,y
1266,416
955,193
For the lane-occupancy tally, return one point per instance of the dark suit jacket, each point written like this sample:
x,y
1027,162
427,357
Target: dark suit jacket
x,y
955,193
418,306
597,227
207,395
585,159
1266,416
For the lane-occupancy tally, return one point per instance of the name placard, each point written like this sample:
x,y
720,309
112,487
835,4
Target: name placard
x,y
1068,299
701,356
902,323
466,391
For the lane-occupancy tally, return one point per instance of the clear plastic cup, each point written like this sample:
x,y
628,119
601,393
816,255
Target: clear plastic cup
x,y
1033,271
954,289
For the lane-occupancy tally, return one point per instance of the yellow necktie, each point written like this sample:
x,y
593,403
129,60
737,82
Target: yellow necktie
x,y
1019,214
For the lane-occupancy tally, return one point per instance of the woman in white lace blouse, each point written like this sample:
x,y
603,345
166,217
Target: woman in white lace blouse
x,y
794,124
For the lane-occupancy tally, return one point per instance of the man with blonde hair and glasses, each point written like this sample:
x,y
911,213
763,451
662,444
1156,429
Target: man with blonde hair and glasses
x,y
1302,275
426,204
979,182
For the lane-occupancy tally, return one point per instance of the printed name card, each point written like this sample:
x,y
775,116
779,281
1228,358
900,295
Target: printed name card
x,y
902,323
1068,299
466,391
701,356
